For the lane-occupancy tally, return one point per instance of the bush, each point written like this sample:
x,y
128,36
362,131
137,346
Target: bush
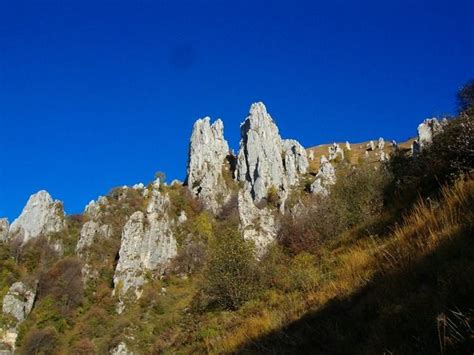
x,y
40,341
231,276
64,283
450,155
359,195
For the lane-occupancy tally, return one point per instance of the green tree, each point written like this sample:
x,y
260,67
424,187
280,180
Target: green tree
x,y
231,277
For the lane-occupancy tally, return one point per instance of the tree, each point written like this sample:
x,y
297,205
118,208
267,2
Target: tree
x,y
231,277
466,97
40,341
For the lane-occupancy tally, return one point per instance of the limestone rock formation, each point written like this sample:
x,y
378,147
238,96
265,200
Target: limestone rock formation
x,y
311,155
208,151
381,143
121,349
261,159
265,163
428,129
4,227
148,244
18,301
94,208
348,145
258,225
296,161
40,216
335,151
325,177
370,146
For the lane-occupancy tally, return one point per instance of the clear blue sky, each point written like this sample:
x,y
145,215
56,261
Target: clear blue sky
x,y
95,94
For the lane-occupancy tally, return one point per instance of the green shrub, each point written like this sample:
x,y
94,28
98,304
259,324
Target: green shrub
x,y
231,277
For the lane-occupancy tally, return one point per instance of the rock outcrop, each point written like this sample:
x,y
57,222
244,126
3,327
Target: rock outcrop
x,y
208,151
370,146
258,225
381,143
4,227
259,161
266,161
295,160
265,164
147,246
334,152
40,216
18,301
325,177
121,349
428,129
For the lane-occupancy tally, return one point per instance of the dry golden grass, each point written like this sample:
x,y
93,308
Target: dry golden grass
x,y
353,266
356,154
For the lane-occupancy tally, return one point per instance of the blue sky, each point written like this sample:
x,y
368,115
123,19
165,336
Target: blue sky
x,y
96,94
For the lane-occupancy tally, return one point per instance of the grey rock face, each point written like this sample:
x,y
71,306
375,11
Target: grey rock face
x,y
428,129
259,161
208,151
147,246
121,349
40,216
370,146
325,177
381,143
296,161
335,151
265,162
261,158
91,233
18,301
4,227
94,208
258,225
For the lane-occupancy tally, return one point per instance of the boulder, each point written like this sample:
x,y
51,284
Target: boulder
x,y
4,227
348,145
40,216
208,151
18,301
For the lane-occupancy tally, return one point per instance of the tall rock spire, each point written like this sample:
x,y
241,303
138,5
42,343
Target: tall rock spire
x,y
208,151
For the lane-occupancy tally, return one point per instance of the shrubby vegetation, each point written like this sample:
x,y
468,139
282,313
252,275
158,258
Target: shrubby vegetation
x,y
382,264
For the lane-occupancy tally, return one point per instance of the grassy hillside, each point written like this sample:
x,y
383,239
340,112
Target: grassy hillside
x,y
383,264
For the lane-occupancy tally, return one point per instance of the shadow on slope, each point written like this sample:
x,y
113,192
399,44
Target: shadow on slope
x,y
424,308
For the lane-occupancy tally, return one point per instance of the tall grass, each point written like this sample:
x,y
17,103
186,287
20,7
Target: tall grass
x,y
346,269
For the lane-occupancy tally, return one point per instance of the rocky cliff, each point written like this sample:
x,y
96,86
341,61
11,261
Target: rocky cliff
x,y
207,162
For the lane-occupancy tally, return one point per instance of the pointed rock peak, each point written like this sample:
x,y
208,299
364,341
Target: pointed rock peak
x,y
40,216
258,117
208,151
